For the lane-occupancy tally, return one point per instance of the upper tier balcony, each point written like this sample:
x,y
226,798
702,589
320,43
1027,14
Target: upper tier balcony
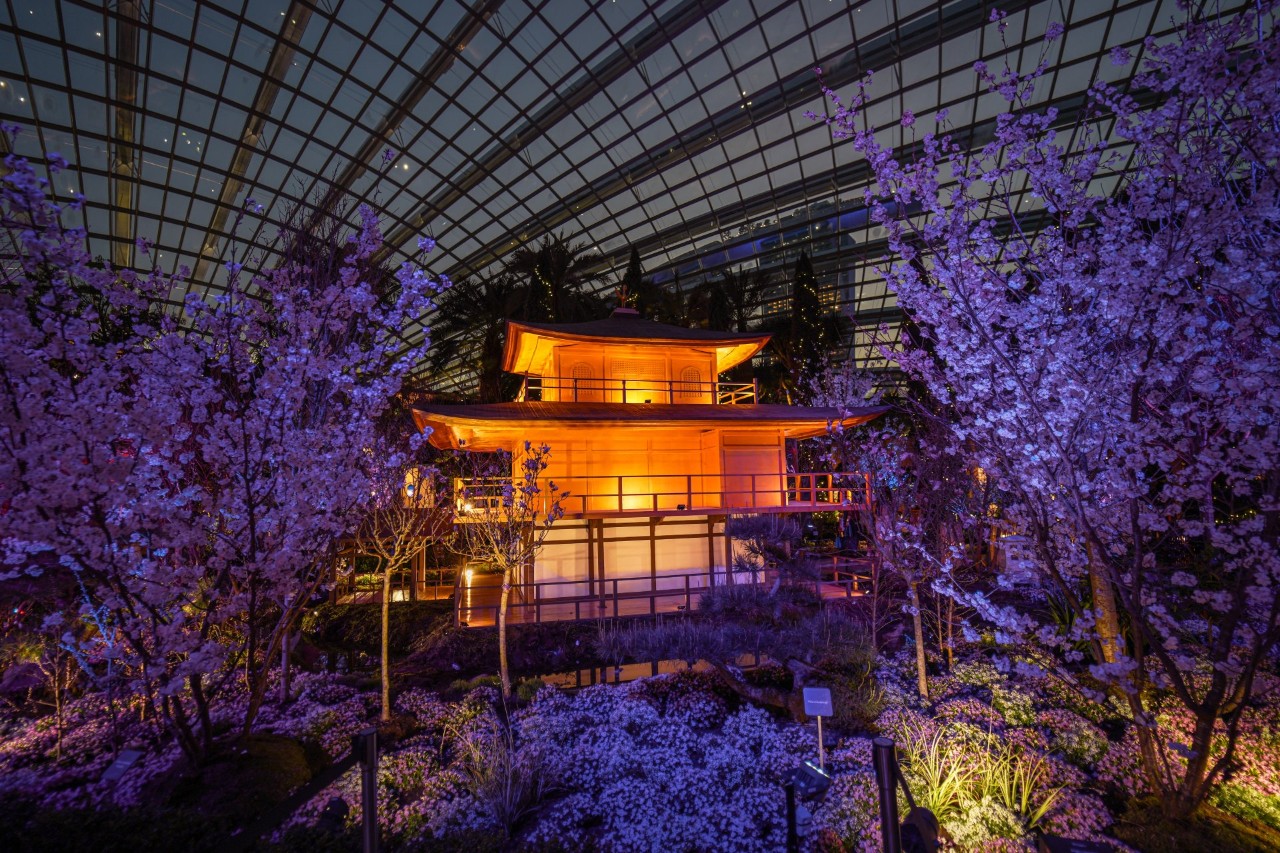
x,y
563,389
675,494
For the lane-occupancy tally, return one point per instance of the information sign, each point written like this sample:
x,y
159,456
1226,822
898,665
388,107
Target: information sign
x,y
126,759
817,701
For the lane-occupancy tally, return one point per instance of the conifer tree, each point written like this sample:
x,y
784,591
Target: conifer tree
x,y
808,328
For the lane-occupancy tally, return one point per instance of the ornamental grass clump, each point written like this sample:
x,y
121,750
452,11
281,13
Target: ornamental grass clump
x,y
939,777
979,786
1018,781
509,783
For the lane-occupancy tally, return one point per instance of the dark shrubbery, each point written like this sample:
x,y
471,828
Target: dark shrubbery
x,y
29,827
1209,830
358,627
248,777
849,670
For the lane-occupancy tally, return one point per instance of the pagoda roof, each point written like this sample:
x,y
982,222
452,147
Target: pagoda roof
x,y
527,343
488,426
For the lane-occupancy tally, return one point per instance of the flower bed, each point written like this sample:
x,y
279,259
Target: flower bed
x,y
656,763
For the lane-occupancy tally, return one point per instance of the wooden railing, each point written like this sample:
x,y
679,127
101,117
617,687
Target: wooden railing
x,y
674,493
431,584
568,389
562,600
637,595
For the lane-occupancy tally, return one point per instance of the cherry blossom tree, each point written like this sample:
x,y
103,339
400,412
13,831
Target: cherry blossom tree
x,y
927,505
506,524
188,472
73,337
400,520
1110,358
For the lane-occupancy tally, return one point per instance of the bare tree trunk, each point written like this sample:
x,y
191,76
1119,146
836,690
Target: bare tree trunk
x,y
503,669
1107,620
922,679
941,636
951,633
284,670
875,599
1192,789
258,685
58,703
284,660
386,642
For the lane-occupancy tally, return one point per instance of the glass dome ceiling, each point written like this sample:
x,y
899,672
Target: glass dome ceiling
x,y
677,127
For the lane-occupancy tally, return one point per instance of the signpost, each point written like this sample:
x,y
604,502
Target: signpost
x,y
817,703
364,746
807,781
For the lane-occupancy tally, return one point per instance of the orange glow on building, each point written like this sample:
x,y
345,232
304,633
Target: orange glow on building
x,y
655,451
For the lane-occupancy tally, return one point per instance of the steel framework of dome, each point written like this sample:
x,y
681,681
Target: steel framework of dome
x,y
676,127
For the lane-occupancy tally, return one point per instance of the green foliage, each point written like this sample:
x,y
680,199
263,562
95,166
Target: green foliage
x,y
687,638
1015,706
770,675
610,643
527,688
979,823
940,779
1248,803
768,540
343,627
755,605
749,602
1076,740
508,782
978,785
1209,830
248,776
466,685
447,653
977,673
665,692
849,671
1019,782
810,333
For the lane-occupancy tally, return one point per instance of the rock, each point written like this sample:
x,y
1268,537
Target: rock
x,y
21,678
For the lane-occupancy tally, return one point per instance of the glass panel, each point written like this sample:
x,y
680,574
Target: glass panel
x,y
215,31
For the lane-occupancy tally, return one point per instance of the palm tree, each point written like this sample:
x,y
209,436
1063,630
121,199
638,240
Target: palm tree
x,y
557,275
735,297
469,331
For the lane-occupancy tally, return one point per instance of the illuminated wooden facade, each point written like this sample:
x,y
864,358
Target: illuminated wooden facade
x,y
655,452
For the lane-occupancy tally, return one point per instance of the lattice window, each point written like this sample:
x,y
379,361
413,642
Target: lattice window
x,y
643,378
690,387
581,377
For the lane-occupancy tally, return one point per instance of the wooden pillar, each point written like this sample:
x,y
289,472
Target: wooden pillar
x,y
418,572
591,558
600,554
711,550
728,549
653,565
